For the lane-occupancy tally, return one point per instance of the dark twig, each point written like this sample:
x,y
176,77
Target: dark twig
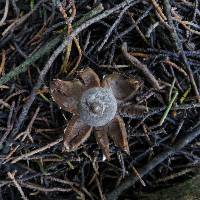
x,y
46,48
38,150
12,177
15,8
178,45
9,124
112,28
5,13
21,20
131,180
129,29
30,60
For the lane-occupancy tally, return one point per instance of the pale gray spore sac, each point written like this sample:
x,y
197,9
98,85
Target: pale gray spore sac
x,y
98,106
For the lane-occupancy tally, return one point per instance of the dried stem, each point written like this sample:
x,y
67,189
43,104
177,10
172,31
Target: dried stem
x,y
12,177
168,108
143,68
37,150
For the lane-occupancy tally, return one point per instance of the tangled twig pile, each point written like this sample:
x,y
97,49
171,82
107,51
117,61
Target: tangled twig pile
x,y
154,42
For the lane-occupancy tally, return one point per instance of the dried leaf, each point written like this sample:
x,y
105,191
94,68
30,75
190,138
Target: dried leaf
x,y
117,131
76,133
67,93
130,110
123,88
89,77
101,134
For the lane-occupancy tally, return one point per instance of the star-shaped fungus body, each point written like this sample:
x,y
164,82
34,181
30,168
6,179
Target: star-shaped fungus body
x,y
96,105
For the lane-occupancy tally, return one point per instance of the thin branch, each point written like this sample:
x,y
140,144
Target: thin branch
x,y
112,28
9,124
143,68
37,150
5,13
12,177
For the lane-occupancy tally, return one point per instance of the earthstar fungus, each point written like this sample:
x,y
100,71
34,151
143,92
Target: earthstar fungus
x,y
97,106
